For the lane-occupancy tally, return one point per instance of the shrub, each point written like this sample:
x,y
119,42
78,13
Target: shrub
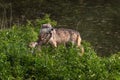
x,y
62,63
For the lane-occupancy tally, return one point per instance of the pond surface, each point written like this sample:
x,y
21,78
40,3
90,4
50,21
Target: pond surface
x,y
99,26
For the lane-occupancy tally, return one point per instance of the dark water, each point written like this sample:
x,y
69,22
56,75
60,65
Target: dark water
x,y
105,40
99,26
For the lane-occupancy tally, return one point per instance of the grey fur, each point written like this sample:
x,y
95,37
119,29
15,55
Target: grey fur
x,y
58,36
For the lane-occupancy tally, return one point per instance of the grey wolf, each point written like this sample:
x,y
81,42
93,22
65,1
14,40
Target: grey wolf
x,y
56,36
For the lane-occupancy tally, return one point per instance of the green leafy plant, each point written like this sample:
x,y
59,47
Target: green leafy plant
x,y
46,19
61,63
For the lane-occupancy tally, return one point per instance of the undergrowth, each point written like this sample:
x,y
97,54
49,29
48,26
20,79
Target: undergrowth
x,y
62,63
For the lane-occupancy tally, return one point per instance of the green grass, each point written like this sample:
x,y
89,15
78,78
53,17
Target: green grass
x,y
18,63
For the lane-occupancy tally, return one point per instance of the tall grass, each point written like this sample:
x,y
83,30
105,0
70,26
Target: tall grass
x,y
18,63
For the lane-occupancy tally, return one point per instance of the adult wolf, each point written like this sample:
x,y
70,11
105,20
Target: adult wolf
x,y
56,36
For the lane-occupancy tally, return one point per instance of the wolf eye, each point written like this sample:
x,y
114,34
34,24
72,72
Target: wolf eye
x,y
52,29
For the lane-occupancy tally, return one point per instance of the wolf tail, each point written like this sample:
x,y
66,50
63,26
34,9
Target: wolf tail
x,y
79,45
82,50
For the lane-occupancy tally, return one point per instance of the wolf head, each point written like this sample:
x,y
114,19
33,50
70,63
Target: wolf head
x,y
46,28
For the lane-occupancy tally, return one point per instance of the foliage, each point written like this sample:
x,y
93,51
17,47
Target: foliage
x,y
38,22
18,63
46,19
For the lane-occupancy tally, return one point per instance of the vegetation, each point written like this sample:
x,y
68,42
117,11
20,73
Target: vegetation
x,y
62,63
97,20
